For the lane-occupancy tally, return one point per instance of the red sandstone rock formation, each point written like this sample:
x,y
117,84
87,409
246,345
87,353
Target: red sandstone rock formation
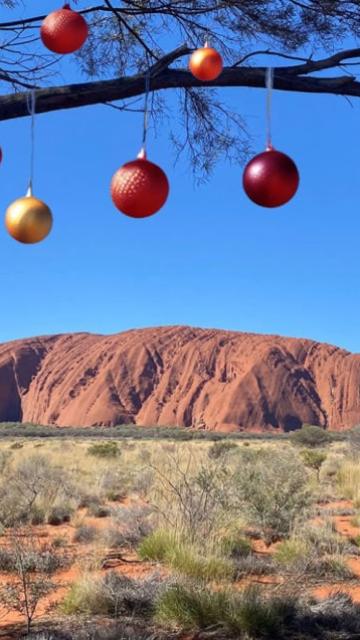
x,y
181,376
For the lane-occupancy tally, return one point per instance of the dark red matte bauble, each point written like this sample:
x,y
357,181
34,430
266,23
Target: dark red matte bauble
x,y
139,188
271,178
64,31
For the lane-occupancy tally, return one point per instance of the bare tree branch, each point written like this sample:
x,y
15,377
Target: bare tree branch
x,y
291,78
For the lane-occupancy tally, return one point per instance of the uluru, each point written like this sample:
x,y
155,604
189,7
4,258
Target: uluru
x,y
179,376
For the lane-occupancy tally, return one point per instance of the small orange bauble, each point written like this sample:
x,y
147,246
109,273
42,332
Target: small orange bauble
x,y
28,220
139,188
64,31
206,64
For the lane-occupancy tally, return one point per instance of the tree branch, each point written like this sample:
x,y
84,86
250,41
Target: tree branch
x,y
291,78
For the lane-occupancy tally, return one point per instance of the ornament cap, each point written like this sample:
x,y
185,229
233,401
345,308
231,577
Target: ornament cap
x,y
67,6
269,147
142,154
29,193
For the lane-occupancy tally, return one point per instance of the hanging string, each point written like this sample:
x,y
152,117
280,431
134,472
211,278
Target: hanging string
x,y
146,111
269,86
31,105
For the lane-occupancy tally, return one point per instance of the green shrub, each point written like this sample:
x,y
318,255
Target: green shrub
x,y
104,449
271,490
310,436
313,459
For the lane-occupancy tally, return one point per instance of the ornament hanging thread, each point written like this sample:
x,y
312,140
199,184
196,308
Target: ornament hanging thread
x,y
271,178
140,188
28,219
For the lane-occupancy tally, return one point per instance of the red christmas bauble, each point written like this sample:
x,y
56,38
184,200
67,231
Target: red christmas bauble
x,y
206,64
64,31
139,188
271,178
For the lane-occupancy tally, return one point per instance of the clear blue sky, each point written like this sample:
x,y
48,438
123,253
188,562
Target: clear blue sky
x,y
210,258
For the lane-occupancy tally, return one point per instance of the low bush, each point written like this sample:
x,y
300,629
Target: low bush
x,y
235,546
271,490
311,436
37,515
253,565
133,523
113,595
98,510
313,459
89,500
222,448
85,534
330,567
59,514
348,481
42,560
104,450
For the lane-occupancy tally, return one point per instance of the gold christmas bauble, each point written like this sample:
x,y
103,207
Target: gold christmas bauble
x,y
28,220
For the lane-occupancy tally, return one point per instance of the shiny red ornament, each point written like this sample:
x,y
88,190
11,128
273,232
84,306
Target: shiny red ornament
x,y
206,64
64,31
139,188
271,178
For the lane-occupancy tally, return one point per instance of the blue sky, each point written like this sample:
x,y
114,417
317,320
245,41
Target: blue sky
x,y
210,258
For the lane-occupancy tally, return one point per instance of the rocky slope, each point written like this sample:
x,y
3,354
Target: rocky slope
x,y
179,376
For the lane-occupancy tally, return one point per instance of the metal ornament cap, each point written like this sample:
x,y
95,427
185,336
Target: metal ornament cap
x,y
271,178
28,220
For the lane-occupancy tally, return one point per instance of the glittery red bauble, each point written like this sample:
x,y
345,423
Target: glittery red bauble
x,y
271,178
64,31
206,64
139,188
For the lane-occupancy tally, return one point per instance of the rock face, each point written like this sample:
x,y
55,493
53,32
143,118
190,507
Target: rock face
x,y
180,376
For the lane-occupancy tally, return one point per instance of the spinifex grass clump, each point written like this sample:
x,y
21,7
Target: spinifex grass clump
x,y
247,614
185,558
